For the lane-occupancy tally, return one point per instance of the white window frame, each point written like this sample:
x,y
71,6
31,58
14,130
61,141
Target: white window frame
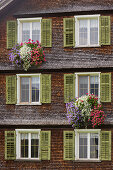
x,y
18,152
77,132
77,18
18,89
85,73
19,30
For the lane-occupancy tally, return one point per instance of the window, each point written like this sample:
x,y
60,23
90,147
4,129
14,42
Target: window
x,y
29,29
87,30
28,89
87,83
28,143
87,146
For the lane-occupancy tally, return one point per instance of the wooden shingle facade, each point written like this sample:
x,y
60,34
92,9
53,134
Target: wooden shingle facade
x,y
77,37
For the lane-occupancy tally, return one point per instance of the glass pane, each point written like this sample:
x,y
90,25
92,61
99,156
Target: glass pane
x,y
94,85
34,145
83,32
36,31
25,31
35,89
83,85
93,31
83,145
94,145
24,145
25,85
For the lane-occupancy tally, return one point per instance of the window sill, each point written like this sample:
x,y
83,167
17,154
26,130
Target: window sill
x,y
21,159
23,104
87,46
87,160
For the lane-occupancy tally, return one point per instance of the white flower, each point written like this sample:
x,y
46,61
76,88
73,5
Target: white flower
x,y
25,51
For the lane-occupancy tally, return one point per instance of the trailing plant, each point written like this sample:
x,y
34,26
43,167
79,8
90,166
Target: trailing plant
x,y
27,54
85,111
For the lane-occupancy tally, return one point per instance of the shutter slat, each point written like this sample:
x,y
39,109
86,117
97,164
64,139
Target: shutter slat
x,y
11,34
11,90
46,33
69,32
105,30
46,88
105,87
69,145
69,87
45,145
105,145
10,145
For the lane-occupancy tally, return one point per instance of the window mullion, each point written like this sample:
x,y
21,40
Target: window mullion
x,y
29,144
88,31
31,30
88,146
88,84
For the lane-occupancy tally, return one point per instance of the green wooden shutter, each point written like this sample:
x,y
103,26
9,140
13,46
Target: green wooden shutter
x,y
105,30
69,145
69,32
10,145
11,90
69,87
46,88
46,33
105,145
11,34
105,87
45,142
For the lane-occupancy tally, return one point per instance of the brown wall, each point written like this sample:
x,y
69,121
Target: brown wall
x,y
56,162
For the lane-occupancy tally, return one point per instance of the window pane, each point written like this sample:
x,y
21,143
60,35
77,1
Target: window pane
x,y
25,31
93,145
36,31
25,81
94,85
34,146
35,89
24,145
83,32
83,145
93,31
83,85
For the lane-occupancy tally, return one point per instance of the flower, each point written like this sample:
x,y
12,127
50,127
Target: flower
x,y
85,111
27,54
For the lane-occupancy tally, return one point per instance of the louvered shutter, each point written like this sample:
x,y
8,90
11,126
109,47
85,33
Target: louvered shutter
x,y
105,87
105,30
46,33
69,145
45,142
46,88
69,32
69,87
11,90
105,145
10,145
11,34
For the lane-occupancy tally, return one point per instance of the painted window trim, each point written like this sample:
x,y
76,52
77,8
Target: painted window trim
x,y
18,89
77,131
19,27
85,73
77,33
18,131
